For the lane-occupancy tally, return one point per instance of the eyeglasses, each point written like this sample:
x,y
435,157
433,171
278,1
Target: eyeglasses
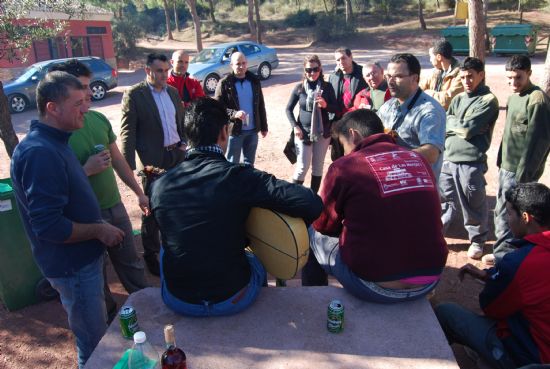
x,y
312,70
398,77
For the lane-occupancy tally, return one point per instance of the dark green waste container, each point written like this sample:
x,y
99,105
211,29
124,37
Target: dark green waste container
x,y
19,274
458,37
514,39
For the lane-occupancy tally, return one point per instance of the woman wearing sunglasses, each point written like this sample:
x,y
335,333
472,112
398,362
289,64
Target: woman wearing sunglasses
x,y
315,99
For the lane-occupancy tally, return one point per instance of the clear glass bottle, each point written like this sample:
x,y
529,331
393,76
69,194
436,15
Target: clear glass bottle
x,y
173,357
143,355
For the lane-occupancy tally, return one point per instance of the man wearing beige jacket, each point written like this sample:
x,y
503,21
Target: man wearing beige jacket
x,y
444,82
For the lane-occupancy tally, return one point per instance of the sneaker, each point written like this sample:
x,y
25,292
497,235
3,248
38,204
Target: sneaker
x,y
488,259
475,251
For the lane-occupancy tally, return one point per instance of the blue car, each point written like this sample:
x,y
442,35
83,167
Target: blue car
x,y
21,91
212,63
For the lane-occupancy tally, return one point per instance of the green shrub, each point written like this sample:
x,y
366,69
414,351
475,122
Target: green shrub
x,y
333,28
126,33
302,18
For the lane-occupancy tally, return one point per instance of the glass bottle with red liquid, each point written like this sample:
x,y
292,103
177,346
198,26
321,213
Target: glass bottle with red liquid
x,y
173,357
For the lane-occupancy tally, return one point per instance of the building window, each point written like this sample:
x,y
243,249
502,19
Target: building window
x,y
96,30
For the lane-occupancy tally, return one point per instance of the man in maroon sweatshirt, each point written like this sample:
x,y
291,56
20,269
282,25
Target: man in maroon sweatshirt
x,y
380,233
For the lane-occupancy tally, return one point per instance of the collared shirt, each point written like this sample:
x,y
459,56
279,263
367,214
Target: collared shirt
x,y
209,148
246,101
423,124
167,113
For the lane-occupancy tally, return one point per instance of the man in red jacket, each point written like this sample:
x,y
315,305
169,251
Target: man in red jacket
x,y
515,330
380,233
188,88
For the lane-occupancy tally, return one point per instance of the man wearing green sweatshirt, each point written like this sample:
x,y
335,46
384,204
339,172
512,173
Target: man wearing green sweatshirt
x,y
470,120
525,144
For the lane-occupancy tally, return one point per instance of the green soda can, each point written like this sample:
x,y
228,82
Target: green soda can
x,y
128,321
99,148
335,313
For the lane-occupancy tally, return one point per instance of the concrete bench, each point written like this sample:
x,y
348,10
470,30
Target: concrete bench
x,y
286,328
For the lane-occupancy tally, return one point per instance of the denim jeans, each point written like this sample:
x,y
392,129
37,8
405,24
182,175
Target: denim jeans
x,y
83,300
247,142
327,253
475,331
235,304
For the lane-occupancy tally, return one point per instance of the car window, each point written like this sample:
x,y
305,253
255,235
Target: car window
x,y
208,56
27,74
229,51
249,49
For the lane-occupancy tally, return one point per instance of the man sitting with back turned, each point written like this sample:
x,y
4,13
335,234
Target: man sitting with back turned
x,y
380,231
201,207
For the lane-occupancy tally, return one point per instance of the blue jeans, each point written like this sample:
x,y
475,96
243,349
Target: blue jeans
x,y
247,142
475,331
235,304
83,300
327,253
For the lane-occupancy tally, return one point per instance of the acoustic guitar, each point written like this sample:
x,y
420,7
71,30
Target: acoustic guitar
x,y
281,242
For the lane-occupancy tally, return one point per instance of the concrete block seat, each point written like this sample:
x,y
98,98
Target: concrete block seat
x,y
286,328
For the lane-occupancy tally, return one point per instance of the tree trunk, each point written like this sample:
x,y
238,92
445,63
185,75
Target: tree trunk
x,y
476,29
7,134
520,11
349,11
258,21
211,11
326,7
192,4
251,23
167,17
545,83
176,18
437,4
421,15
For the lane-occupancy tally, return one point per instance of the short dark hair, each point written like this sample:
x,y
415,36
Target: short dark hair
x,y
518,62
155,56
413,65
364,121
443,47
343,50
532,198
204,119
472,63
73,67
55,88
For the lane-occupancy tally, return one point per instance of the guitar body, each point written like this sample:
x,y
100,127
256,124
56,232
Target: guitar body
x,y
280,242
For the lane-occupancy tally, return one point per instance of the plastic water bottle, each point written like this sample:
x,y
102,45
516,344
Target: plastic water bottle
x,y
143,355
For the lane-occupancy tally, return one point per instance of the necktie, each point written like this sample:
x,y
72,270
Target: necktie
x,y
346,96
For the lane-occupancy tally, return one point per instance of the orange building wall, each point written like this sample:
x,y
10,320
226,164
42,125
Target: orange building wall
x,y
75,28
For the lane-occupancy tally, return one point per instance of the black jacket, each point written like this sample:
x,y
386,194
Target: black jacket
x,y
357,83
226,93
201,207
299,95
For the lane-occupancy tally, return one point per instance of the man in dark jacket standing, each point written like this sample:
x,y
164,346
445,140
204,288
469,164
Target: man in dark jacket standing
x,y
347,81
201,207
241,92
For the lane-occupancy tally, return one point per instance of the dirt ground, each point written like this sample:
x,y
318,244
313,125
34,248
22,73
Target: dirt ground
x,y
38,336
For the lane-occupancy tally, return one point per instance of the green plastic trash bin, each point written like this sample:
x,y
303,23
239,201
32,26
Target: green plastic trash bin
x,y
458,37
514,39
19,274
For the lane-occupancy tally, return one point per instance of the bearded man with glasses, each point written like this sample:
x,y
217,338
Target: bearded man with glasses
x,y
415,119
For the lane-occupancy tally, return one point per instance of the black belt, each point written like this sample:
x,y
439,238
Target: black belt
x,y
173,146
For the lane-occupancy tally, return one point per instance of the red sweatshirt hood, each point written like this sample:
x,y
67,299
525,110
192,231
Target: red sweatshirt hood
x,y
540,239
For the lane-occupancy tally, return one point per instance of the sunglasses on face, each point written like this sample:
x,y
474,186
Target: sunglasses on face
x,y
312,70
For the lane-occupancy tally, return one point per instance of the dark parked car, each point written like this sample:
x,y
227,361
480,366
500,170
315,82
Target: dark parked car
x,y
21,91
212,63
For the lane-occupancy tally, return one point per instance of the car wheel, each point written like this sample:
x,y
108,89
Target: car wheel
x,y
99,90
17,103
210,83
264,70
